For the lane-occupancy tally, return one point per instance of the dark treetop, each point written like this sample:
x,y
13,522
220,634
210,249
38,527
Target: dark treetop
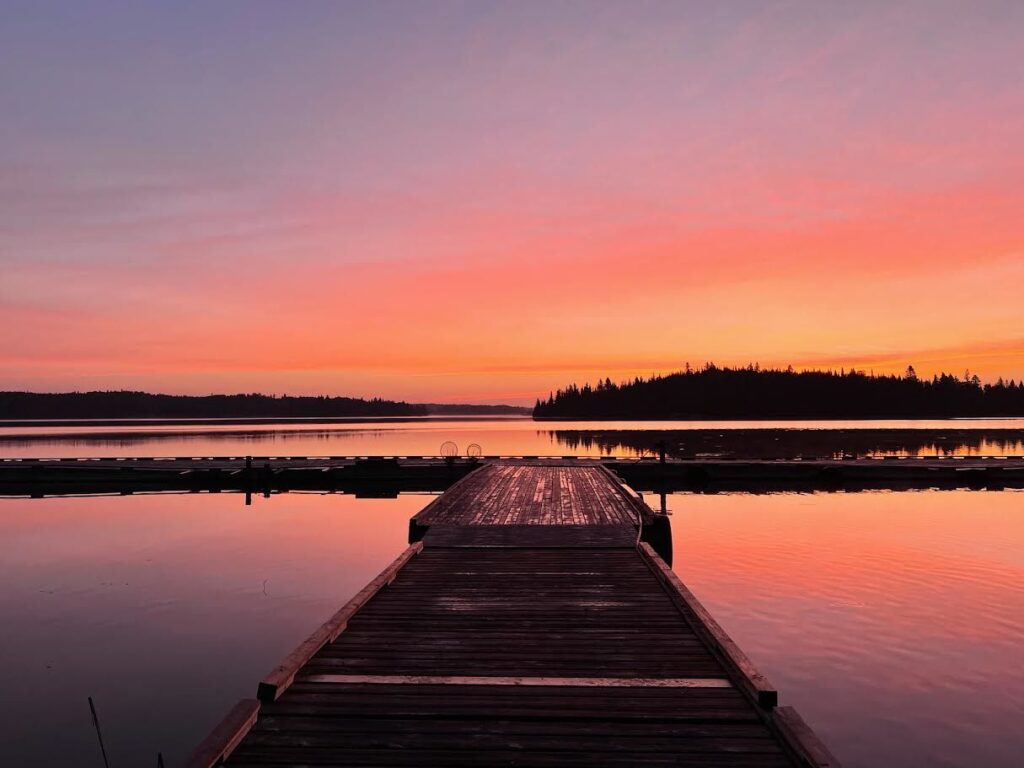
x,y
755,393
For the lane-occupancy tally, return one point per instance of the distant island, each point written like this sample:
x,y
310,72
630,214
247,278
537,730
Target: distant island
x,y
143,405
753,392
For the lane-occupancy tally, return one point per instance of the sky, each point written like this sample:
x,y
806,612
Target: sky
x,y
484,201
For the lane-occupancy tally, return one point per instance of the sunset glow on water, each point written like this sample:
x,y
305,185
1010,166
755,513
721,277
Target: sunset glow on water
x,y
522,437
897,615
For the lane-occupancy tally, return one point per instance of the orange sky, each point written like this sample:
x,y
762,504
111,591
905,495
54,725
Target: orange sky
x,y
485,203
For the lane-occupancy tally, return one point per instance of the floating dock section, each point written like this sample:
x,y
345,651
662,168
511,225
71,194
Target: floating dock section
x,y
391,475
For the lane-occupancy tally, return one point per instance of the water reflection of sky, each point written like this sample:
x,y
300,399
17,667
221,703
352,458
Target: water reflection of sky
x,y
524,437
893,621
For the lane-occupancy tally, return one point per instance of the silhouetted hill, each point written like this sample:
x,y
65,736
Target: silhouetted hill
x,y
142,405
754,393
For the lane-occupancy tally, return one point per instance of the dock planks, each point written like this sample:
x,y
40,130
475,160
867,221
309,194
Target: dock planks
x,y
531,643
531,494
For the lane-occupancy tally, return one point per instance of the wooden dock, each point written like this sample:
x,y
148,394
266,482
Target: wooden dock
x,y
529,625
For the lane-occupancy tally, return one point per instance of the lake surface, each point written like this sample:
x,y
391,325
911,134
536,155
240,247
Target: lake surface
x,y
521,437
893,621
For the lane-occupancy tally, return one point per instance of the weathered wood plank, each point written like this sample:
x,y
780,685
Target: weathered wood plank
x,y
533,494
532,682
554,535
513,757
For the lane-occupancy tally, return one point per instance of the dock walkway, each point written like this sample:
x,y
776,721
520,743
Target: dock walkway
x,y
530,626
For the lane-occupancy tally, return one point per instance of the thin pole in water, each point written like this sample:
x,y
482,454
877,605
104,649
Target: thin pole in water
x,y
159,760
99,735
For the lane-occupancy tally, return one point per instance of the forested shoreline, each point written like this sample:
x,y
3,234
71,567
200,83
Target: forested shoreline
x,y
144,405
712,392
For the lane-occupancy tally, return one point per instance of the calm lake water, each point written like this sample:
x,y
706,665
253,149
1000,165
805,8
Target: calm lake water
x,y
893,621
521,437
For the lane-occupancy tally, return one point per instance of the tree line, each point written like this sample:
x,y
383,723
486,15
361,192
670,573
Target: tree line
x,y
143,405
753,392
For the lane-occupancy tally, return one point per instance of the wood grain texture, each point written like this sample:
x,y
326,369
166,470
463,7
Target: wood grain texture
x,y
549,682
530,536
532,494
515,656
